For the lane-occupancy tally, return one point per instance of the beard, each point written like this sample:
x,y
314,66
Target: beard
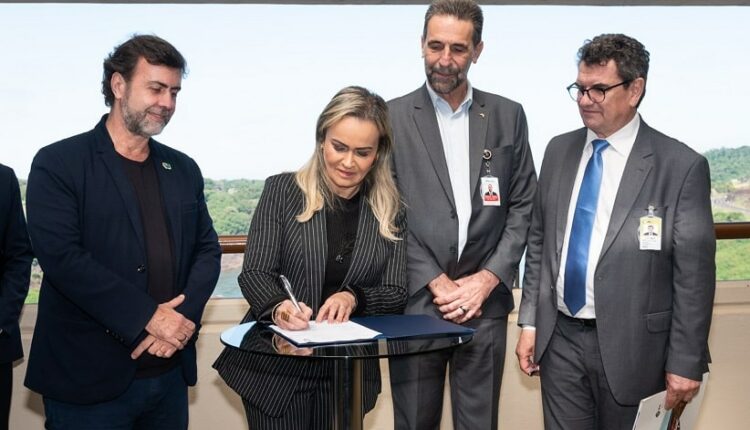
x,y
445,84
139,122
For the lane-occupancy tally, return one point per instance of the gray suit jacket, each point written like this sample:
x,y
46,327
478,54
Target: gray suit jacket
x,y
278,244
653,308
497,234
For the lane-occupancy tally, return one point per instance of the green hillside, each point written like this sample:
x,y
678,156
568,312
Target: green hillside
x,y
729,164
732,259
231,203
730,180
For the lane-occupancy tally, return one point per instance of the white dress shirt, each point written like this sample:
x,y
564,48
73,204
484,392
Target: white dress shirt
x,y
614,158
454,132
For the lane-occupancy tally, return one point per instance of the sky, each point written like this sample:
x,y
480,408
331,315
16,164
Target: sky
x,y
259,75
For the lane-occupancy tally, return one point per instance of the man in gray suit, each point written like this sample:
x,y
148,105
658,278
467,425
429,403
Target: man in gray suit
x,y
451,142
610,313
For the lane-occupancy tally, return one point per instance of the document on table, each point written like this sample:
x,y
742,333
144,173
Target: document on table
x,y
653,416
324,333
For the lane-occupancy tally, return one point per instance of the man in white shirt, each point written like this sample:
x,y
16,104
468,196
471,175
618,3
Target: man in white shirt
x,y
452,141
611,313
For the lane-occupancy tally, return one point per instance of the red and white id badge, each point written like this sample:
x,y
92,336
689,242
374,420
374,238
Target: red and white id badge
x,y
490,191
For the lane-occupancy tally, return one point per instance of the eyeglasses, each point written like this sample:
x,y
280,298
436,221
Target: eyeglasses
x,y
596,94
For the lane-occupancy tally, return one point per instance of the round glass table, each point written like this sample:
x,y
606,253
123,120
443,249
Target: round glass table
x,y
259,339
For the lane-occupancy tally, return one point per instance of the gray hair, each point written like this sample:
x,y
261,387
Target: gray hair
x,y
465,10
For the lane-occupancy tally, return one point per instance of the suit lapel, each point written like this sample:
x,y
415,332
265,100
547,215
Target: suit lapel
x,y
106,149
636,171
429,130
477,137
316,248
169,183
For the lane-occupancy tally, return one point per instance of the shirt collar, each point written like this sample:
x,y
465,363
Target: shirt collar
x,y
440,102
623,139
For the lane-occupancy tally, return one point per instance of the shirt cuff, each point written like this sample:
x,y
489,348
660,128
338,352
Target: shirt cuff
x,y
266,316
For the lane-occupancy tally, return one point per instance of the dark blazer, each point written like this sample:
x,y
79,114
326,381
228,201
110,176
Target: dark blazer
x,y
653,308
15,265
94,304
278,244
497,234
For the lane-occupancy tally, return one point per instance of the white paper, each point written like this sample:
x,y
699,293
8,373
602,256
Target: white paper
x,y
653,416
320,333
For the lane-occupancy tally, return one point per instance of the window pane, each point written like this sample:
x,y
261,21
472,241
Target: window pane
x,y
730,180
227,287
260,74
732,258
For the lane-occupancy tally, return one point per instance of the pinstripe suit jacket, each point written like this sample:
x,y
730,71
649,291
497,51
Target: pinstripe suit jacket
x,y
279,244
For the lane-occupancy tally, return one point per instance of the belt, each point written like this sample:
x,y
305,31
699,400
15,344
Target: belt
x,y
586,322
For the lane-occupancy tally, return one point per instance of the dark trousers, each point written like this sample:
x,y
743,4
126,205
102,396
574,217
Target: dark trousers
x,y
476,372
6,390
575,391
309,409
156,403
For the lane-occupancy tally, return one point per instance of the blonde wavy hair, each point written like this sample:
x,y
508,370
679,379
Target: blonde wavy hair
x,y
380,189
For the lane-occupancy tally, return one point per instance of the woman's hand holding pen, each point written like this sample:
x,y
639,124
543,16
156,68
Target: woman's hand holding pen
x,y
288,317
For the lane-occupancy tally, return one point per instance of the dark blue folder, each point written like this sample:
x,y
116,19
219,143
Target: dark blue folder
x,y
411,326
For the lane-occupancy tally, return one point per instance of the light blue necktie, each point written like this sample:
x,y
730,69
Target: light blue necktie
x,y
580,231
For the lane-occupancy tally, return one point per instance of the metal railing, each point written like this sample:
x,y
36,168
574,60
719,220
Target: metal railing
x,y
724,230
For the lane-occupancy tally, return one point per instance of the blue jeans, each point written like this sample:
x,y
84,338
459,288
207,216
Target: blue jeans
x,y
158,403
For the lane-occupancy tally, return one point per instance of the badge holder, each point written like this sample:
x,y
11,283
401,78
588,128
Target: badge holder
x,y
649,231
490,186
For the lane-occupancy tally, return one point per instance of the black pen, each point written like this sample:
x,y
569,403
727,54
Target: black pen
x,y
288,288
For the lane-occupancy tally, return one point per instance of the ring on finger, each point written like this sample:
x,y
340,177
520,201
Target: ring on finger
x,y
463,309
285,316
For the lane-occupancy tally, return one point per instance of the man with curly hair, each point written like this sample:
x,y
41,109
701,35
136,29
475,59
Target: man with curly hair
x,y
613,311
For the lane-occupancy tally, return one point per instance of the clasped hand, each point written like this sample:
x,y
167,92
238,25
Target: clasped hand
x,y
461,300
168,331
